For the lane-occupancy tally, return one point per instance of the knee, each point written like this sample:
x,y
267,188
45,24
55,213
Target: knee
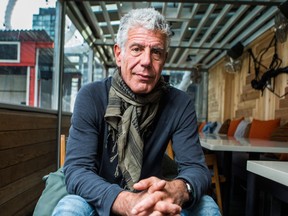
x,y
73,205
206,206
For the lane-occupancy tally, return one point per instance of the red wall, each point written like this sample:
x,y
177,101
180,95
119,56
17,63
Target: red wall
x,y
28,53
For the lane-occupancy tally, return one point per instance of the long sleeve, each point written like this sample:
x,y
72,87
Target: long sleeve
x,y
86,143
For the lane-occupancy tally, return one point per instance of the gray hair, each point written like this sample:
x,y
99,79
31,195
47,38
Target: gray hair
x,y
148,18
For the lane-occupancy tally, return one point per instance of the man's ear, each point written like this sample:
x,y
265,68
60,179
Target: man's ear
x,y
117,53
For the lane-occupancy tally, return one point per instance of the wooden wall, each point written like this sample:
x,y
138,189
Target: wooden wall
x,y
231,95
28,151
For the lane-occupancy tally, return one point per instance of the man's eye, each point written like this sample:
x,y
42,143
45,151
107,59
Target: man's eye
x,y
135,51
157,54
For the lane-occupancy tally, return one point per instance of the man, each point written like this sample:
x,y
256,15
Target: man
x,y
120,130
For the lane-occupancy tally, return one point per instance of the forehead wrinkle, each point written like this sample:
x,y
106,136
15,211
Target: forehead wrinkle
x,y
143,45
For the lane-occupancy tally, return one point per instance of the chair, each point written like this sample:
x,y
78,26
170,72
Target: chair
x,y
211,161
62,149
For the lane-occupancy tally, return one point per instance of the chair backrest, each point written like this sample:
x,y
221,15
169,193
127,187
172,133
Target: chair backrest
x,y
62,149
169,150
211,161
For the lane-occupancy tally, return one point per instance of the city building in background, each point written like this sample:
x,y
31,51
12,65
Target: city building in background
x,y
45,20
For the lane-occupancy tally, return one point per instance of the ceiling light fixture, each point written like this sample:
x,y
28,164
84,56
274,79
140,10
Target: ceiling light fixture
x,y
236,51
234,63
283,7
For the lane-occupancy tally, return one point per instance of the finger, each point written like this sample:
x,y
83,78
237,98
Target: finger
x,y
140,186
156,213
147,203
144,184
144,213
160,185
162,208
168,208
144,205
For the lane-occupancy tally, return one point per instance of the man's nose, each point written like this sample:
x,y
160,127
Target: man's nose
x,y
146,57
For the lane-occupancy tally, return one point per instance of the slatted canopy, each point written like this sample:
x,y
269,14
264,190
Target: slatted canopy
x,y
203,31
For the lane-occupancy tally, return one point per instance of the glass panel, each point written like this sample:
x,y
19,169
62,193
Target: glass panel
x,y
194,84
26,52
81,66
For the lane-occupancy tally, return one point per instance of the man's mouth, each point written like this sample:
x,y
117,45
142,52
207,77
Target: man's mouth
x,y
143,77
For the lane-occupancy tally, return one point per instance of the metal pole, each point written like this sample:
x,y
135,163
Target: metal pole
x,y
59,67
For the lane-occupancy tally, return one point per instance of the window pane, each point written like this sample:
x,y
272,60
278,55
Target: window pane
x,y
9,51
80,65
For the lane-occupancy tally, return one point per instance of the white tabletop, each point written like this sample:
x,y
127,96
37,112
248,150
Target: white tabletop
x,y
273,170
217,142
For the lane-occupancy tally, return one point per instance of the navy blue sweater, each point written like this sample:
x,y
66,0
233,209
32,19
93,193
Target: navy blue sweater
x,y
88,170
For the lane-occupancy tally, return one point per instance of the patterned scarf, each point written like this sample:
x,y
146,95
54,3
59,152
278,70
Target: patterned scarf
x,y
129,116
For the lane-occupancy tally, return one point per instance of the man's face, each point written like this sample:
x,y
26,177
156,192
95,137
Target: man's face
x,y
143,59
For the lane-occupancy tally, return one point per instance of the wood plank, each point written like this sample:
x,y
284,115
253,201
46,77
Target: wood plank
x,y
283,114
25,121
250,77
283,103
13,173
247,104
263,43
14,139
213,106
23,204
213,109
247,88
21,154
14,189
27,210
244,113
250,96
66,121
229,94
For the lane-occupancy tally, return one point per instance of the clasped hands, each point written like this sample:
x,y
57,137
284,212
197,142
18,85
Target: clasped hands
x,y
156,198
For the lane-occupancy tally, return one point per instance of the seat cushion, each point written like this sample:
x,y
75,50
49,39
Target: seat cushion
x,y
201,126
262,129
247,131
217,128
224,127
241,128
233,126
209,127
